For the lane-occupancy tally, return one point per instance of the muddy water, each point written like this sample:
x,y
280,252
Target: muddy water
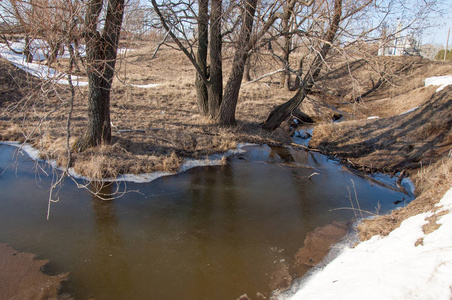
x,y
209,233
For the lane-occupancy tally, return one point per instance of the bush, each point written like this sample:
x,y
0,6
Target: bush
x,y
440,55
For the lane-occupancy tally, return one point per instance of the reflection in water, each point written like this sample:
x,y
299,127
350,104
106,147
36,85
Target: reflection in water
x,y
209,233
109,255
282,153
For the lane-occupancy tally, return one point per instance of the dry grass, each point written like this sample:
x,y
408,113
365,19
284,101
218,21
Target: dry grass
x,y
154,129
150,125
393,143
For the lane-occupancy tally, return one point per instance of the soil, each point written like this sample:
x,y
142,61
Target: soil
x,y
21,277
155,129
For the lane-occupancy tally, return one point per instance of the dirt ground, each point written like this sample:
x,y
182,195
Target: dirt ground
x,y
21,277
155,129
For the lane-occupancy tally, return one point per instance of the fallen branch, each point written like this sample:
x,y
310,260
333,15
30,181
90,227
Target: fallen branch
x,y
138,130
263,76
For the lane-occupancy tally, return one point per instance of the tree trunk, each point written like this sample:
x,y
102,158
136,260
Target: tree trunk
x,y
27,51
215,89
201,57
101,51
283,111
297,82
247,70
285,76
53,53
287,18
231,93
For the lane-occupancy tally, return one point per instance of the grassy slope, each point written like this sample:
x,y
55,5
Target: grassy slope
x,y
419,142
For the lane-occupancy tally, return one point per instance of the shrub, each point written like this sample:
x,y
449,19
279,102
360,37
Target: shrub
x,y
440,55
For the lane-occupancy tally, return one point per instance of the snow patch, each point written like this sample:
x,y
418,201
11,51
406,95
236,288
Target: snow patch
x,y
442,81
36,69
125,50
410,110
373,117
390,267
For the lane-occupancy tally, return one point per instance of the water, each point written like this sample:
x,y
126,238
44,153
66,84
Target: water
x,y
209,233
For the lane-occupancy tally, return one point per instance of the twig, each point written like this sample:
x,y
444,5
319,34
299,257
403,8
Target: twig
x,y
310,176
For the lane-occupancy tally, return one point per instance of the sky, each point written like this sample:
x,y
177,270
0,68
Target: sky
x,y
438,35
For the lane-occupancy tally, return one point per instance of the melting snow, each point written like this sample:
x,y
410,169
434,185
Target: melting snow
x,y
390,267
442,81
410,110
41,70
36,69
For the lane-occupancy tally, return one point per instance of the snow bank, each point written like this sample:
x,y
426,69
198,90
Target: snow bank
x,y
36,69
42,71
188,164
442,81
390,267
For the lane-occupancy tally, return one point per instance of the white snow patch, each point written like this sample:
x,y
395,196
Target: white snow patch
x,y
390,267
36,69
410,110
442,81
140,178
125,50
373,117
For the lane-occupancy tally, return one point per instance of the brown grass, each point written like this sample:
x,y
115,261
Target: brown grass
x,y
393,143
154,129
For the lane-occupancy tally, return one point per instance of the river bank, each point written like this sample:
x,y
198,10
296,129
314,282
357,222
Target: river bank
x,y
21,277
398,127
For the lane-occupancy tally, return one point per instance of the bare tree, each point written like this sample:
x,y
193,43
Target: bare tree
x,y
101,51
213,101
47,22
282,112
354,33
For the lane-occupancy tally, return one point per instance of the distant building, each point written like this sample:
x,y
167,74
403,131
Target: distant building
x,y
397,44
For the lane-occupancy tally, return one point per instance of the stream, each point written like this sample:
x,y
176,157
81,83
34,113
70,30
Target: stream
x,y
209,233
